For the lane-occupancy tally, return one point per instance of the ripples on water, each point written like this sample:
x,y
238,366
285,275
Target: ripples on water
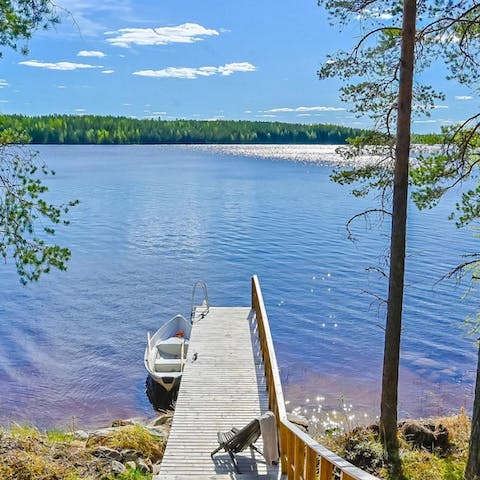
x,y
154,219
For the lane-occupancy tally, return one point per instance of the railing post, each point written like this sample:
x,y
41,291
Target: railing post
x,y
299,459
311,464
283,447
326,469
290,455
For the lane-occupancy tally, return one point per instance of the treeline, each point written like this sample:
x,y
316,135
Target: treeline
x,y
94,129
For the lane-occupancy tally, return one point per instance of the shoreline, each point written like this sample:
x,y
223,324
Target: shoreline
x,y
134,448
127,447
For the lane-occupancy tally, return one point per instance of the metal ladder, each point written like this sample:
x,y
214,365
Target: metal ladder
x,y
199,311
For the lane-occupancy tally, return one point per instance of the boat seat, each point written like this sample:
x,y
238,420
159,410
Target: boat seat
x,y
168,374
172,345
168,364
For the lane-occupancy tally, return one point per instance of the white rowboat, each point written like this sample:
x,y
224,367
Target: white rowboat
x,y
166,352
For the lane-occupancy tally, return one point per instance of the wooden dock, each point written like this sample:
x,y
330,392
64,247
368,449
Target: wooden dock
x,y
231,376
224,387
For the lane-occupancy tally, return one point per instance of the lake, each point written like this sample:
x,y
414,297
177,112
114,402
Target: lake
x,y
154,219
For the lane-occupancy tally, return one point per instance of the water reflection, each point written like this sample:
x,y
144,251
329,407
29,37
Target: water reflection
x,y
160,398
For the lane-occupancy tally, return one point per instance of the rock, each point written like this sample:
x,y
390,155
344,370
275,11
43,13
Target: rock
x,y
80,435
156,468
107,452
131,465
443,440
299,420
97,435
157,431
129,421
103,432
117,468
129,455
163,419
426,435
122,423
142,466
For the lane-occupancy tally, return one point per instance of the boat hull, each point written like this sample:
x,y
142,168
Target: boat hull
x,y
168,383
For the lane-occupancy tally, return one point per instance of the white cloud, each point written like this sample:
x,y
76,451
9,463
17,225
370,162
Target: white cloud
x,y
3,83
281,110
80,110
320,109
305,109
192,73
231,68
58,65
90,53
247,111
61,86
185,33
108,71
3,101
304,115
440,107
425,121
445,38
463,97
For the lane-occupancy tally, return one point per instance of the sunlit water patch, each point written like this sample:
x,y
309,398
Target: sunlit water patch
x,y
154,219
326,155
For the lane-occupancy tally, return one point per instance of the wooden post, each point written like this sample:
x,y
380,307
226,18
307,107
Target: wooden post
x,y
290,455
299,461
326,469
283,447
311,465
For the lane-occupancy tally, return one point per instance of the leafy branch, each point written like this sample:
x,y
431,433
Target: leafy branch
x,y
27,220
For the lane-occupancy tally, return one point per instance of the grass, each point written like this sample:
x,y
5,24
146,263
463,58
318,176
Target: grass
x,y
136,438
361,447
58,436
26,453
132,475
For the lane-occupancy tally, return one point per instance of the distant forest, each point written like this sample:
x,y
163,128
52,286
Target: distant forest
x,y
94,129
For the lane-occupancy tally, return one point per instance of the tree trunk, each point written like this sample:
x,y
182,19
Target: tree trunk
x,y
472,472
391,360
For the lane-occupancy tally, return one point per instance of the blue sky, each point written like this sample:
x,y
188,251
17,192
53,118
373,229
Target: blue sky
x,y
252,60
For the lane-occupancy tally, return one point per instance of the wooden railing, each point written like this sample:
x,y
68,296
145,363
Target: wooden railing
x,y
301,457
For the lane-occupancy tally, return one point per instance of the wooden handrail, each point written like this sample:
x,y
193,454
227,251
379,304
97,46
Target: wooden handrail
x,y
300,455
